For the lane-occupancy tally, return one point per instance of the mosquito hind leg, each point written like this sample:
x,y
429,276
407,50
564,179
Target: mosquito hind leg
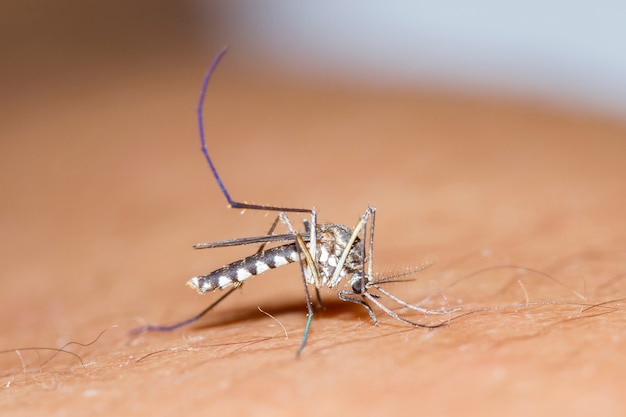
x,y
157,328
205,152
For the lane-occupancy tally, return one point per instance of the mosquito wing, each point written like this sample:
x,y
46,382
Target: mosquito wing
x,y
288,237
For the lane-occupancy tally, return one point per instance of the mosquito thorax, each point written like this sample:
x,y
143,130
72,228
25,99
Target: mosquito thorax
x,y
332,240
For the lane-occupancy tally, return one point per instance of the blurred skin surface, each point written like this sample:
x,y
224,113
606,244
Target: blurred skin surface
x,y
105,190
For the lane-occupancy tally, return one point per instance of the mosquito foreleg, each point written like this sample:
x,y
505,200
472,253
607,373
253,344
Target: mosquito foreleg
x,y
313,250
348,296
416,307
336,277
371,212
390,312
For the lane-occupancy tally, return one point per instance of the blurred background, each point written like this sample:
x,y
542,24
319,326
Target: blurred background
x,y
568,53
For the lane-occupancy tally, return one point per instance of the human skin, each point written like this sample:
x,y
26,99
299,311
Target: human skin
x,y
519,207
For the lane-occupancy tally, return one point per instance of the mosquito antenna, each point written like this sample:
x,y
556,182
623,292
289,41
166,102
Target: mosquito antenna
x,y
216,175
386,279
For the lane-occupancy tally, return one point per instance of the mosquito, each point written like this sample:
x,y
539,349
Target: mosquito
x,y
328,253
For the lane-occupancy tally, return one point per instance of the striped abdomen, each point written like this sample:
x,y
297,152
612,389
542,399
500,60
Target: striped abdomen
x,y
243,269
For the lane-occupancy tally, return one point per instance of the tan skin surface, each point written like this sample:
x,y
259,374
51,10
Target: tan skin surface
x,y
105,191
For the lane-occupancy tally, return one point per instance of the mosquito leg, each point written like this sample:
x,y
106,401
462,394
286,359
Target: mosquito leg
x,y
307,327
368,257
154,328
336,277
218,179
309,305
313,237
285,220
313,248
372,215
320,305
399,318
416,307
313,245
210,307
348,296
269,233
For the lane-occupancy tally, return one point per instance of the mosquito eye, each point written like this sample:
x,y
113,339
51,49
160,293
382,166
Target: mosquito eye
x,y
357,286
